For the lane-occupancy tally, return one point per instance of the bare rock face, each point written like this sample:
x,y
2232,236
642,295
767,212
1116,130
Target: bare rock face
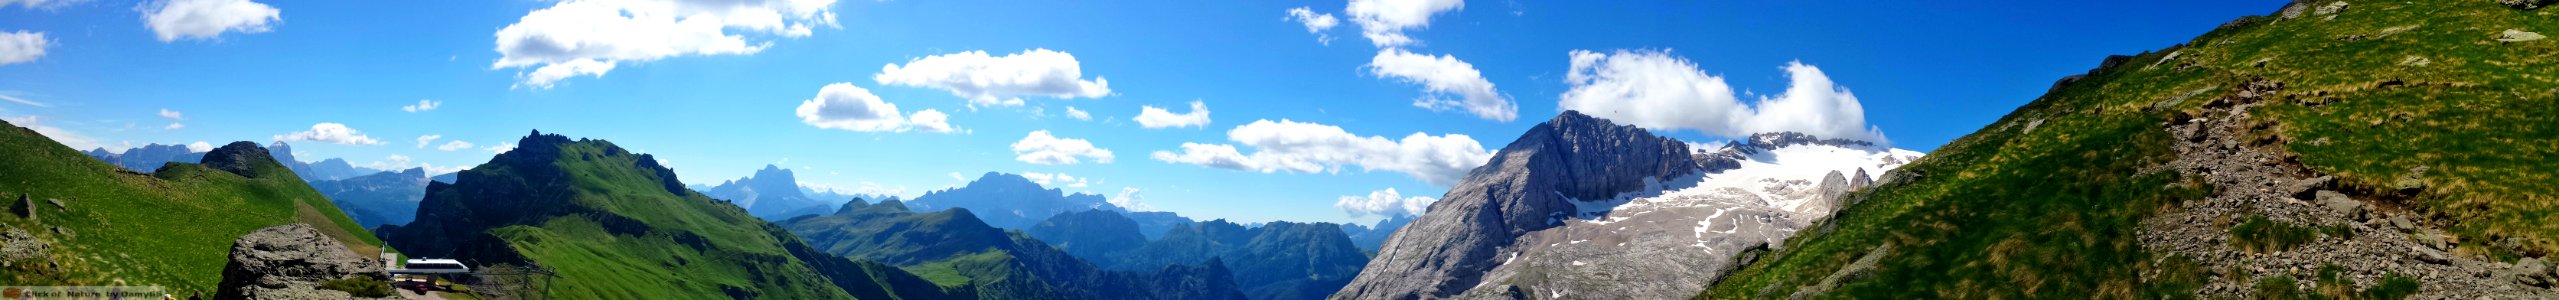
x,y
290,262
1525,188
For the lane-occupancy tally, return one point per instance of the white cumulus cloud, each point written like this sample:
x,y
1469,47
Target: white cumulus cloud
x,y
330,133
997,81
424,140
1383,21
174,20
199,146
454,146
172,115
1384,203
500,148
423,105
1316,23
844,106
1129,199
1312,148
22,46
1443,77
174,126
1078,114
1653,89
930,121
1057,180
1150,116
591,37
1041,148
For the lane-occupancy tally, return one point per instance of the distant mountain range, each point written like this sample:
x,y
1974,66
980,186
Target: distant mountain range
x,y
952,247
1010,201
150,157
1278,260
378,199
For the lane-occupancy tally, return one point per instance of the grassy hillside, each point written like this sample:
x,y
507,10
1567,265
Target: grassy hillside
x,y
2417,99
173,228
616,225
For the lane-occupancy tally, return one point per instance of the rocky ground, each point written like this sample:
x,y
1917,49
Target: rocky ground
x,y
2240,155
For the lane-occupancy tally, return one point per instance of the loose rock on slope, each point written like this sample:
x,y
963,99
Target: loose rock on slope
x,y
2252,176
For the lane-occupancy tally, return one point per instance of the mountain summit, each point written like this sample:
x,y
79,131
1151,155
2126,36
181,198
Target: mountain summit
x,y
1527,187
773,193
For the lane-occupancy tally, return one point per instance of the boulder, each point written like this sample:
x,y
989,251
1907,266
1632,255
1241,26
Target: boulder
x,y
2338,202
17,245
2331,9
24,208
2430,255
2436,240
2301,189
2514,35
291,261
2533,271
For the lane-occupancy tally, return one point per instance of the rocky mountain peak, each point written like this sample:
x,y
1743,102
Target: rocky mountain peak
x,y
238,158
1530,185
1595,158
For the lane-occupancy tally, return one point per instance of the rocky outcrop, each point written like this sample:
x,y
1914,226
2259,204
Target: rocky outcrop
x,y
238,158
291,261
2527,4
1525,188
18,247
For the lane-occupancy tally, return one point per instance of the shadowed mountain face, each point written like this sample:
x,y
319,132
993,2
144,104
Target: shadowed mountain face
x,y
615,224
1010,201
1525,188
380,199
72,219
954,248
772,193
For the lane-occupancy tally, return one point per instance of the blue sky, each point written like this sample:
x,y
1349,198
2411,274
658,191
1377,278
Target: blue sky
x,y
1924,74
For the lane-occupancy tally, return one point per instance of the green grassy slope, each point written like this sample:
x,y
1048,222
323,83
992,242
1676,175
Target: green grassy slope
x,y
615,225
173,228
2045,202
